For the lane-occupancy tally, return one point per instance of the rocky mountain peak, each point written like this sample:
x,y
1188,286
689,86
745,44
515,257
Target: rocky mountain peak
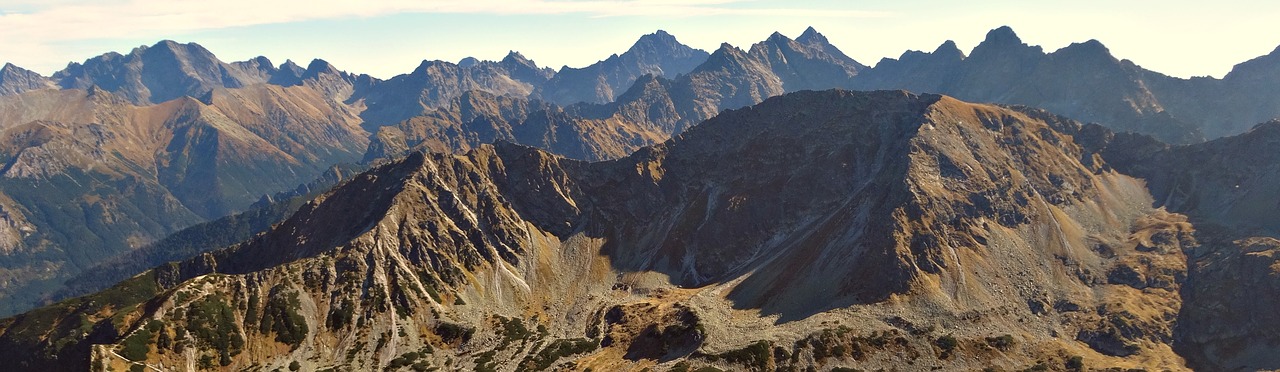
x,y
468,62
812,36
1261,69
188,53
320,67
948,50
16,80
778,38
657,40
426,65
262,62
161,72
1090,47
1090,52
516,57
658,53
1002,41
1002,35
726,55
288,74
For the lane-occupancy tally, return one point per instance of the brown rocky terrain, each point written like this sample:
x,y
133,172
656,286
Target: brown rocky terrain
x,y
88,174
940,232
1227,187
922,231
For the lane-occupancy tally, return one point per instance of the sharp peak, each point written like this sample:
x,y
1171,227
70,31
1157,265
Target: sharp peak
x,y
947,45
514,56
260,60
727,49
1002,35
811,35
658,35
948,48
778,36
12,69
319,67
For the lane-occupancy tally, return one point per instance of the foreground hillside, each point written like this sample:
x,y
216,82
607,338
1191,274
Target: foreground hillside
x,y
817,229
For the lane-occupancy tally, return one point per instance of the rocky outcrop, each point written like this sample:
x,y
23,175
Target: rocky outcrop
x,y
16,80
1227,324
1083,81
435,83
1227,187
658,54
162,72
582,131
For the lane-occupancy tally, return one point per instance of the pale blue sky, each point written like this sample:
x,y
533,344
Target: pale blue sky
x,y
385,38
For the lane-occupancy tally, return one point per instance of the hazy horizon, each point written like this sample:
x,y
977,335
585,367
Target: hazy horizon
x,y
388,38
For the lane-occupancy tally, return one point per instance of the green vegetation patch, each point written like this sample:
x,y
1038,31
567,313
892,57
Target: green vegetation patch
x,y
946,344
454,334
756,356
513,330
1003,343
211,320
280,315
556,350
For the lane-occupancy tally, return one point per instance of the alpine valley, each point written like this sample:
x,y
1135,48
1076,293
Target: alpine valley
x,y
779,207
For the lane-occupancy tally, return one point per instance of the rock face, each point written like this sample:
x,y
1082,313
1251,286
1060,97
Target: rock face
x,y
1229,182
657,54
733,78
91,175
1082,81
161,73
1233,285
1228,187
641,117
435,83
16,80
917,221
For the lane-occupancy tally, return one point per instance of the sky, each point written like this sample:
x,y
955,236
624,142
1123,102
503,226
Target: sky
x,y
390,37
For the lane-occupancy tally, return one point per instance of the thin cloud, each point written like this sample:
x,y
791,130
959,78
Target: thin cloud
x,y
37,31
63,21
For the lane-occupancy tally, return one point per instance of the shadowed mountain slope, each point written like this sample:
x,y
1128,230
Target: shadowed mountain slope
x,y
911,214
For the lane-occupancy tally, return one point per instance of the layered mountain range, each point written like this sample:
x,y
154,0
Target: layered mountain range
x,y
647,196
911,216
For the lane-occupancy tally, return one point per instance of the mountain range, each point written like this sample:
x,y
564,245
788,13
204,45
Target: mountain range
x,y
660,196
